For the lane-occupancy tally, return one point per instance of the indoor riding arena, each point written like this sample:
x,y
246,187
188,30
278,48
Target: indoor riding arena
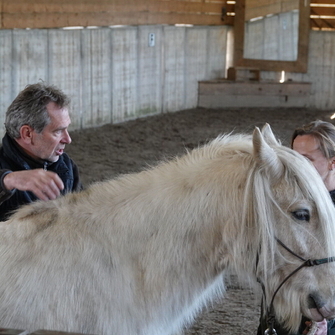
x,y
150,80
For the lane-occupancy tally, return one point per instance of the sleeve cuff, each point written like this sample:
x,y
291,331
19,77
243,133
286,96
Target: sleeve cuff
x,y
4,193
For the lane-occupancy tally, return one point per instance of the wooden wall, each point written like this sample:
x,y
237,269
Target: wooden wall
x,y
62,13
322,14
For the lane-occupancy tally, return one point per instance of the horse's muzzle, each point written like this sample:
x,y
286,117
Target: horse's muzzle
x,y
319,308
315,301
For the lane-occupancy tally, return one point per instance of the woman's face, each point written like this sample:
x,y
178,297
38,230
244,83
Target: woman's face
x,y
308,146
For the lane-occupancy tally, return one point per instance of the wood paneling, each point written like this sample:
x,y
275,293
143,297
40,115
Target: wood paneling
x,y
323,2
62,13
327,11
223,94
322,14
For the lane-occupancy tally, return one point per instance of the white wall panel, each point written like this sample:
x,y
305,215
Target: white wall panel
x,y
149,70
65,68
321,70
112,75
259,40
196,62
216,53
96,77
174,80
30,57
326,72
6,82
124,73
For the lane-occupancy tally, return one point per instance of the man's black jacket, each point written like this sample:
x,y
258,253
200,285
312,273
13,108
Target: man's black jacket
x,y
13,158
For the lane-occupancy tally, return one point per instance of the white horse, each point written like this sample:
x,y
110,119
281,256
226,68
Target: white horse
x,y
142,254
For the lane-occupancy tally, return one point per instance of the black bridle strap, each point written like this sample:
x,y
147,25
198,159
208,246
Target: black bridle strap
x,y
270,310
306,262
289,250
320,261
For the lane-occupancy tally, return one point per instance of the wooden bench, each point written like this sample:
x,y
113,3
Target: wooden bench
x,y
223,93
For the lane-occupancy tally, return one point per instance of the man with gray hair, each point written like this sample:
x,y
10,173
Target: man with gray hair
x,y
33,164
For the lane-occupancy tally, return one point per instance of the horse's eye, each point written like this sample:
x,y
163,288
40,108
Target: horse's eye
x,y
301,215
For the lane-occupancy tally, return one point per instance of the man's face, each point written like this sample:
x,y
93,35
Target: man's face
x,y
50,143
308,146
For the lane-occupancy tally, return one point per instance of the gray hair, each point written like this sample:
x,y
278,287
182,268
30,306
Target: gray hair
x,y
30,108
323,131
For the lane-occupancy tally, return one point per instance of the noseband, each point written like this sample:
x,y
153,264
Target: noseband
x,y
270,315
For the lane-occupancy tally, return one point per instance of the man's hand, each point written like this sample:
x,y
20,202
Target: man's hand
x,y
46,185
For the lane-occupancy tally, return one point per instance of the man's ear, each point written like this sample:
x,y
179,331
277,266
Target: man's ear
x,y
26,134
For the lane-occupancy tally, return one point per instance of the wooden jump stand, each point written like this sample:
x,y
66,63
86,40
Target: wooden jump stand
x,y
243,87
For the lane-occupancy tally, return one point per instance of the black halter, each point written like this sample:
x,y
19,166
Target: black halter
x,y
270,315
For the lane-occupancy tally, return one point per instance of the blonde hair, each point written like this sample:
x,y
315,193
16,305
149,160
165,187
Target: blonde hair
x,y
323,131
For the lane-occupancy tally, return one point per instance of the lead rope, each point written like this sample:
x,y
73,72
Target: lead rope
x,y
270,315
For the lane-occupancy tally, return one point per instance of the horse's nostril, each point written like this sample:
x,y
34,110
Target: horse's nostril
x,y
315,301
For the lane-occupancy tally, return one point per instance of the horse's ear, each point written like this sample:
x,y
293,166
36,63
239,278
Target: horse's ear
x,y
268,135
266,156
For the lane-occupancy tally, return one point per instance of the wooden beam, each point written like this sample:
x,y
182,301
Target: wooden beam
x,y
327,11
107,6
322,24
51,20
60,13
329,2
